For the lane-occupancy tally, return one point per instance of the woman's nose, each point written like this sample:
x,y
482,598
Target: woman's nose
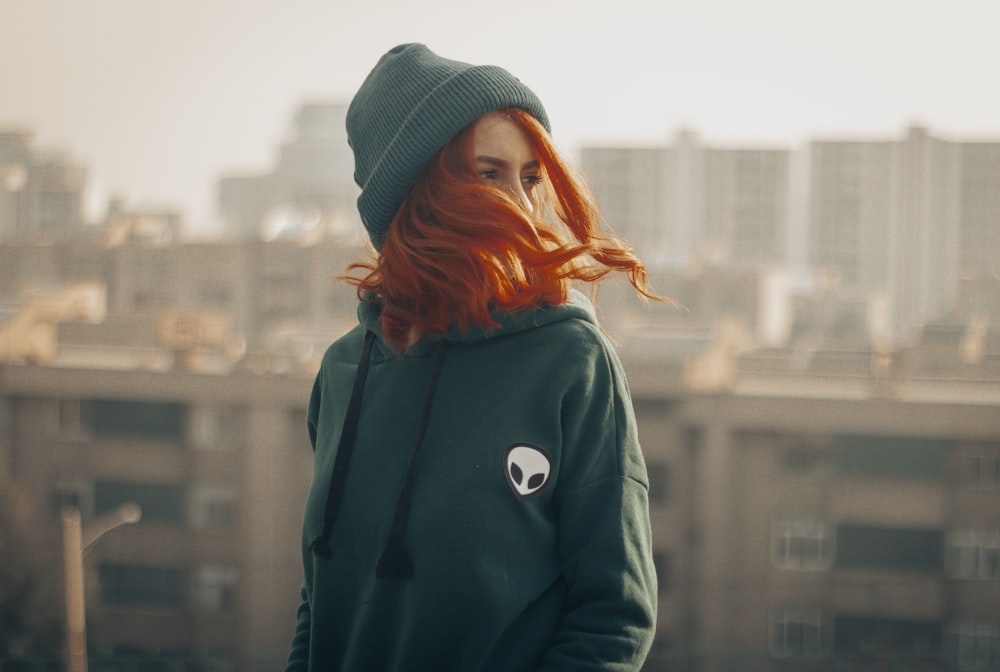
x,y
517,189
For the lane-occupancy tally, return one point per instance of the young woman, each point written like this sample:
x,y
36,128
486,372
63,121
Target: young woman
x,y
479,499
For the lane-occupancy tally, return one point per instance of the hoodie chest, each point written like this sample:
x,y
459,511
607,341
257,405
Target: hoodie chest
x,y
488,462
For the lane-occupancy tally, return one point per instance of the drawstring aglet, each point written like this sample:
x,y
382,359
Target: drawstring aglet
x,y
321,548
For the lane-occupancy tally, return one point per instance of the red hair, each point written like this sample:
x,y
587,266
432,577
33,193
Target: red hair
x,y
460,248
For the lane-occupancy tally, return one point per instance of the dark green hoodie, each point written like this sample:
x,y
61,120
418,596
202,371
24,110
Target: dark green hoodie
x,y
523,509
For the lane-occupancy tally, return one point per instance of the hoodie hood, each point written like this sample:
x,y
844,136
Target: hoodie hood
x,y
578,306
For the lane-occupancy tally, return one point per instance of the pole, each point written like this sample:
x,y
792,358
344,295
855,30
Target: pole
x,y
76,541
76,633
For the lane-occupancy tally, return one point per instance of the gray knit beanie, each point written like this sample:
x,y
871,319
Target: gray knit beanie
x,y
410,105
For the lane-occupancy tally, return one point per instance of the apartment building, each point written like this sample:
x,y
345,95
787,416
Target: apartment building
x,y
806,515
979,194
219,467
798,513
41,192
687,202
746,206
893,225
634,194
885,221
309,186
261,287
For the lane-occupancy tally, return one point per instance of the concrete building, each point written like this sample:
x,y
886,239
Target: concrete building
x,y
40,192
261,286
218,465
885,222
890,225
746,206
685,203
310,187
979,206
802,510
632,190
824,512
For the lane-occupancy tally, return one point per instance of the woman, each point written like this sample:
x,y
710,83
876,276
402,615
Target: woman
x,y
479,495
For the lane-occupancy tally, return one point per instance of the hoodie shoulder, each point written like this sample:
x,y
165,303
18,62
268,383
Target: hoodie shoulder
x,y
345,349
578,307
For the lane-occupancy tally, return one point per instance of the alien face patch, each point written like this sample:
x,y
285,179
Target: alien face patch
x,y
527,469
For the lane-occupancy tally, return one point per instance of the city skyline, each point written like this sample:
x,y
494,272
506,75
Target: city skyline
x,y
158,102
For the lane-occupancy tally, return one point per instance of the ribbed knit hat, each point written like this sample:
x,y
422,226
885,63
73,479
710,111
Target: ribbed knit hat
x,y
408,107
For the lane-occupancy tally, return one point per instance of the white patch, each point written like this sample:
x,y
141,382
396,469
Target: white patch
x,y
527,469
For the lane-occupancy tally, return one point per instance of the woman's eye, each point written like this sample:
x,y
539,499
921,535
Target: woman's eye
x,y
531,180
488,174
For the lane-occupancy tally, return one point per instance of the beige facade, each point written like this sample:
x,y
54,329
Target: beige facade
x,y
219,465
41,193
792,512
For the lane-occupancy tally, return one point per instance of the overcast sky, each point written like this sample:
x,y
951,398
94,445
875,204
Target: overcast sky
x,y
160,98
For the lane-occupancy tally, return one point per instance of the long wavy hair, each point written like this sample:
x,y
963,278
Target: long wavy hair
x,y
460,248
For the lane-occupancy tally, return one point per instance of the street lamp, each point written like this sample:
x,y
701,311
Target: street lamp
x,y
77,539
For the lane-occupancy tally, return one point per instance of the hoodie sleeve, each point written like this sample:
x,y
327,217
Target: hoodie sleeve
x,y
298,655
609,615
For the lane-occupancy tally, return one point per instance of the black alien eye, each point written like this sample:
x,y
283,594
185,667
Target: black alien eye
x,y
516,473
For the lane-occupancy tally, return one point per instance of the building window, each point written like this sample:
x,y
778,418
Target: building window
x,y
122,418
974,647
214,507
904,458
800,545
211,428
980,463
973,555
216,293
799,631
142,586
803,457
160,502
885,637
889,549
215,589
69,418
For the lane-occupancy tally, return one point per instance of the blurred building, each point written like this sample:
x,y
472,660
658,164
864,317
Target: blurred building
x,y
820,489
310,186
218,465
885,222
803,517
820,506
890,225
634,195
40,192
979,206
746,206
687,203
262,287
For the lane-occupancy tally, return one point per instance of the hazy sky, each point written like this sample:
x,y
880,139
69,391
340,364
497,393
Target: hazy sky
x,y
160,98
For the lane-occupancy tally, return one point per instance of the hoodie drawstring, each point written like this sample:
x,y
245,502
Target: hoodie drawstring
x,y
321,545
395,560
